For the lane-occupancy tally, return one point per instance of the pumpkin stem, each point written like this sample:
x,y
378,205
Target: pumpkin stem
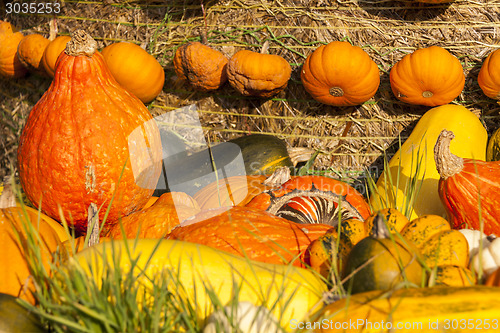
x,y
93,225
81,43
447,164
379,229
427,94
336,92
7,199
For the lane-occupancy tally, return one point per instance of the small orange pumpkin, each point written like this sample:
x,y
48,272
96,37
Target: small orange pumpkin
x,y
231,191
429,76
258,74
340,74
98,135
489,75
493,279
135,69
203,67
158,220
52,52
30,52
10,65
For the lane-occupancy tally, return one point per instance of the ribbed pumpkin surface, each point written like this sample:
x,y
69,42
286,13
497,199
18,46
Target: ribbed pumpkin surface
x,y
250,232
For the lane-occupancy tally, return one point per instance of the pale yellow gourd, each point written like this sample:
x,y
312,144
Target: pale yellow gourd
x,y
288,292
470,142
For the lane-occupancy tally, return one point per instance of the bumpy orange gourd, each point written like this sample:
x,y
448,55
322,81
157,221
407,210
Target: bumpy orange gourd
x,y
203,67
10,66
158,220
468,188
429,76
30,52
231,191
340,74
135,69
258,74
52,52
251,233
88,140
489,75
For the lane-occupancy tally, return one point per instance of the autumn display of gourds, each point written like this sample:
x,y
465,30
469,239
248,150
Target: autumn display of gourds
x,y
91,143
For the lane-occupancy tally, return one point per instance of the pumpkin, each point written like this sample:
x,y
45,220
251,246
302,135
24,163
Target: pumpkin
x,y
488,259
429,76
158,220
340,74
100,137
468,188
15,318
313,199
201,66
493,149
231,191
381,261
135,69
394,220
489,75
477,240
254,154
414,161
413,310
52,52
200,272
16,224
258,74
452,275
10,65
30,52
251,233
493,279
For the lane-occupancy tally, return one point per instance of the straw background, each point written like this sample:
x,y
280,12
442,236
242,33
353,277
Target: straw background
x,y
350,139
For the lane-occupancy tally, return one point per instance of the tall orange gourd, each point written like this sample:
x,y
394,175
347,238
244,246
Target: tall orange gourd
x,y
88,140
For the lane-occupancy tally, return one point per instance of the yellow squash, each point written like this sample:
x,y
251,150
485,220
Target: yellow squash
x,y
288,291
470,142
436,309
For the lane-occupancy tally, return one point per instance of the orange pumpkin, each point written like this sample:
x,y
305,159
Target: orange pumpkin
x,y
340,74
52,52
231,191
30,52
489,75
10,65
135,69
429,76
203,67
258,74
158,220
493,279
15,224
251,233
87,140
313,199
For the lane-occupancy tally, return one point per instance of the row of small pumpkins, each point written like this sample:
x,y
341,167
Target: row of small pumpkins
x,y
338,73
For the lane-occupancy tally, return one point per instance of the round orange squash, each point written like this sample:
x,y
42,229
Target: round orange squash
x,y
10,65
135,69
203,67
489,75
16,223
157,220
340,74
88,140
30,52
52,52
258,74
429,76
